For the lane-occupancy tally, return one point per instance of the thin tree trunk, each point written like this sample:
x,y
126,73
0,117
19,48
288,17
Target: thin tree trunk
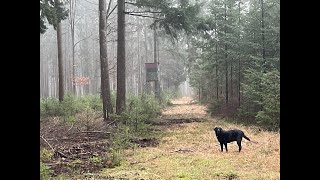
x,y
72,13
146,59
132,76
105,86
239,64
216,46
46,87
65,65
41,74
73,63
231,74
156,83
121,60
139,61
226,55
263,40
60,62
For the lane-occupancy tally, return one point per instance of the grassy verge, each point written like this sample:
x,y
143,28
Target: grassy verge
x,y
63,124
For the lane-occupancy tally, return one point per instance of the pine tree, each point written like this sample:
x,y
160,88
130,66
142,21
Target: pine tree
x,y
52,11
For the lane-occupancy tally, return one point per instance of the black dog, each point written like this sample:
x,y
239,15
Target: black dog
x,y
225,137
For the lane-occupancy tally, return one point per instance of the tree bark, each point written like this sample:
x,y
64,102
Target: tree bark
x,y
139,61
216,46
156,83
121,61
60,62
105,86
231,85
263,38
147,84
239,64
72,13
226,55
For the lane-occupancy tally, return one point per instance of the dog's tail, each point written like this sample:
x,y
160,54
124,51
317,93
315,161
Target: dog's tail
x,y
246,137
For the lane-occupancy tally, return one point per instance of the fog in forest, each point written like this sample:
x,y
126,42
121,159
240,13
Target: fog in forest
x,y
80,45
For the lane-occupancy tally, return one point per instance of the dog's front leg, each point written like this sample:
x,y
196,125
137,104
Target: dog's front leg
x,y
225,144
221,144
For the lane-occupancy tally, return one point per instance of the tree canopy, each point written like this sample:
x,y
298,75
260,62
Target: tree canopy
x,y
53,11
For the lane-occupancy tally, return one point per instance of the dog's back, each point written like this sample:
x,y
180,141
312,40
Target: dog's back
x,y
233,135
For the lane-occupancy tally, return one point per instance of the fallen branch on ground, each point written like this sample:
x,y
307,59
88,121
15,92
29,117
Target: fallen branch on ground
x,y
61,154
47,143
70,127
95,132
183,150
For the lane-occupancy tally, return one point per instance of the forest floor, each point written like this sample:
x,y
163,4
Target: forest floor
x,y
188,149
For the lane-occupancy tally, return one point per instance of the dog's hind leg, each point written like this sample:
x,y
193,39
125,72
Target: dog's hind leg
x,y
239,144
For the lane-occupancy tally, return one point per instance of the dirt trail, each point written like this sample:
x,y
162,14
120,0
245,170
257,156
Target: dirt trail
x,y
189,150
183,110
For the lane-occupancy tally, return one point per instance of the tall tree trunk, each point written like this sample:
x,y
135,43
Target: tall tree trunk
x,y
139,61
199,89
133,75
46,83
239,62
216,46
231,74
72,14
65,65
263,38
147,84
156,83
121,60
73,63
60,62
41,73
226,55
105,86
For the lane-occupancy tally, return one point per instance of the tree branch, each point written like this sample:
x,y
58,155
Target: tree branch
x,y
108,14
141,15
112,68
109,5
47,143
111,31
78,19
114,40
82,40
146,12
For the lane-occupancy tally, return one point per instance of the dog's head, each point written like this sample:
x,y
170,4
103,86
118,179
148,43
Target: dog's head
x,y
217,130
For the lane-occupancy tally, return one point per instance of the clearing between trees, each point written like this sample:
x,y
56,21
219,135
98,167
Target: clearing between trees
x,y
188,149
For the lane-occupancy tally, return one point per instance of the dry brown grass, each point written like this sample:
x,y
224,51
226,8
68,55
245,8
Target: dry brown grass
x,y
191,151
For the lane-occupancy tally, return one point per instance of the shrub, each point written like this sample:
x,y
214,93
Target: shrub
x,y
45,155
166,98
70,106
45,172
50,107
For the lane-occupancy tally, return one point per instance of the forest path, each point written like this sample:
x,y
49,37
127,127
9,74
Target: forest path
x,y
189,149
